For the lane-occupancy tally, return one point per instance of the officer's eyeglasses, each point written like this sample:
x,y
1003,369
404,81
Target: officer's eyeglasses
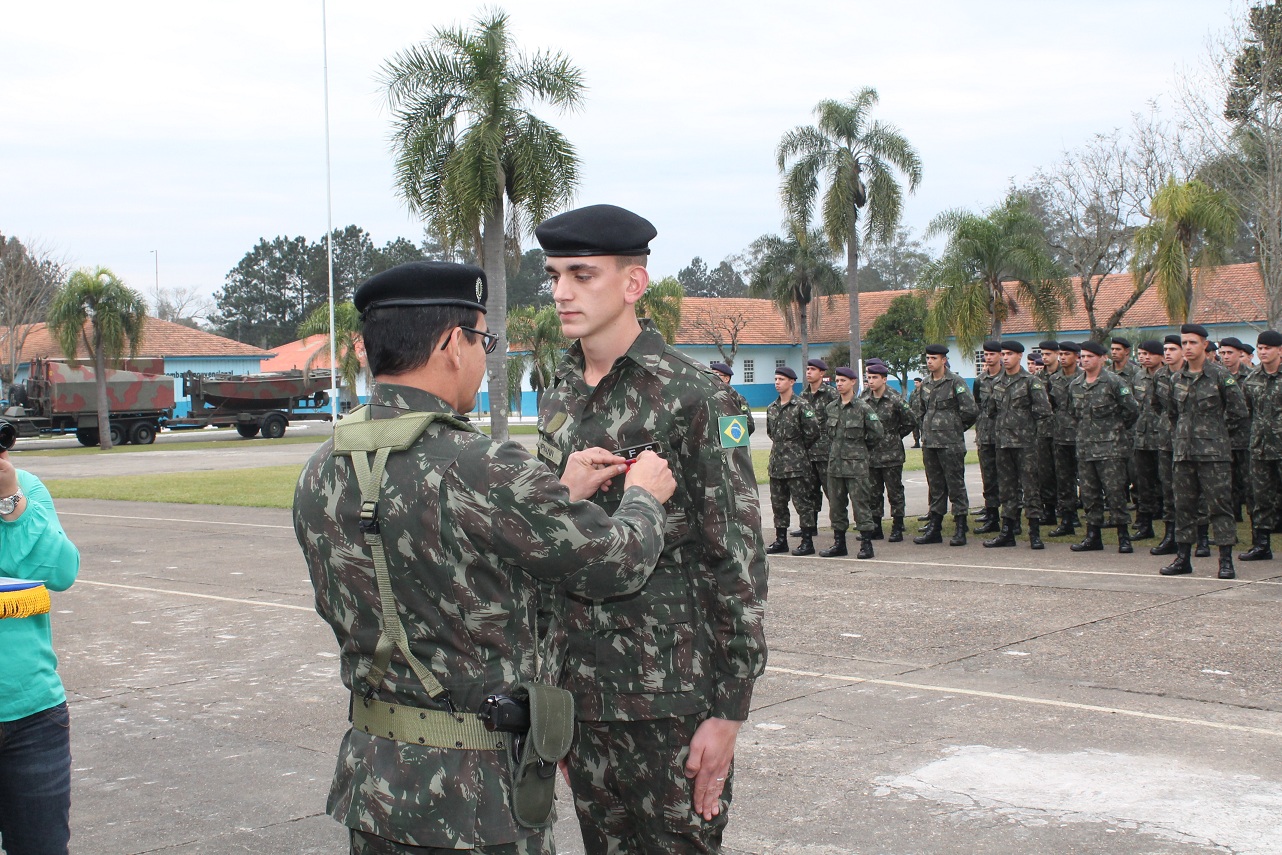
x,y
489,340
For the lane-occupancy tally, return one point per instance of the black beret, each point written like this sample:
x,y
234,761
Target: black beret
x,y
1036,359
916,379
785,371
424,283
1124,342
1093,347
1232,342
849,373
1052,346
878,369
992,347
874,360
1069,347
817,363
596,230
1013,346
1151,346
721,368
1247,349
1211,347
936,350
1269,338
1173,339
1195,329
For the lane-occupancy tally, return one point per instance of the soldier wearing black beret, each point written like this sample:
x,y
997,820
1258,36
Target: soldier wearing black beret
x,y
1233,357
946,409
1063,427
1019,403
1264,396
1147,432
794,426
820,395
989,518
1049,351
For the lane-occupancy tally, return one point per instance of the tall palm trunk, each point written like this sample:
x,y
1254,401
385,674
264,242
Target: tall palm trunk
x,y
852,286
994,297
803,328
494,261
100,382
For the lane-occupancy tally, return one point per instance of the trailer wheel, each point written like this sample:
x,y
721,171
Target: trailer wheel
x,y
142,433
247,431
87,437
274,426
117,434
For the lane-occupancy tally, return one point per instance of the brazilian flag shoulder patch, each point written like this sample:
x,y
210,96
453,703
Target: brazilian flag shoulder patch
x,y
734,431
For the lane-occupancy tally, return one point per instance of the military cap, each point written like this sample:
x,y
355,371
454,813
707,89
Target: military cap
x,y
1070,347
1211,347
1036,359
424,283
992,347
1013,346
721,368
1151,346
1269,338
878,369
1124,342
1093,347
1173,339
849,373
595,230
817,363
936,350
1247,349
785,371
874,360
1231,341
1052,346
1195,329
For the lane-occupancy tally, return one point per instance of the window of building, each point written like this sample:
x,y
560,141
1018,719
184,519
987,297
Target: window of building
x,y
979,363
749,371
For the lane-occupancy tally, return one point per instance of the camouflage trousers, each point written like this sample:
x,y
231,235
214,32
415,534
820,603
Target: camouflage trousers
x,y
1166,474
946,479
821,481
1148,483
887,480
1017,472
1266,488
1046,472
1196,482
362,843
844,492
1103,489
631,792
1066,479
988,475
802,492
1242,492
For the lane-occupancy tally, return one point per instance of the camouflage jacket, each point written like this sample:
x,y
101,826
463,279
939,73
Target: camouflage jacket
x,y
1063,428
983,390
739,405
1019,402
1129,373
1264,394
897,421
946,409
820,401
1046,427
793,429
855,430
1204,409
1105,411
692,640
1240,434
470,528
1160,402
1148,428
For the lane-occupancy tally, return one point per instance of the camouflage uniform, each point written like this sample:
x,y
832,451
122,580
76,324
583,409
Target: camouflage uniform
x,y
1264,393
946,410
1046,450
1240,440
1104,411
1205,407
1161,402
986,440
1129,374
1065,432
886,460
645,670
1018,405
1148,430
793,429
854,430
819,452
471,527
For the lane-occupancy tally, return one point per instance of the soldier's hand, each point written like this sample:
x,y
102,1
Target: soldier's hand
x,y
711,752
650,472
590,470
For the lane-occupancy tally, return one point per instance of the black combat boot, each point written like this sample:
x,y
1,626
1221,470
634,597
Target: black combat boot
x,y
1006,538
1166,546
1226,563
924,518
877,533
959,531
1066,528
1048,516
1203,549
1091,543
807,545
1124,540
1181,566
1143,528
1035,535
1261,549
931,533
838,548
797,532
865,546
990,524
781,542
896,530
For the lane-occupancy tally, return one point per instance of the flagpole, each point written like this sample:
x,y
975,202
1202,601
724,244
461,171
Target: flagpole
x,y
329,226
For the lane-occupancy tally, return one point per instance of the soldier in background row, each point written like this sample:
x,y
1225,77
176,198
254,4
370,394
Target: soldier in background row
x,y
1233,358
1019,403
886,461
1065,432
854,430
724,373
1046,436
989,519
946,409
793,427
1119,362
1148,482
1104,409
1160,400
819,395
916,430
1264,397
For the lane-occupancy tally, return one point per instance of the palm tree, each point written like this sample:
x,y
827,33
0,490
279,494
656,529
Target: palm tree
x,y
347,342
661,303
843,148
991,264
97,309
1192,228
792,271
538,333
472,159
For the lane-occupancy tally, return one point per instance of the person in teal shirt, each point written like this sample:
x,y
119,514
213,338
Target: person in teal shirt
x,y
35,735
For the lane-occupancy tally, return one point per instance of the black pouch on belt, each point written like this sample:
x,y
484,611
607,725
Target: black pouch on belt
x,y
534,760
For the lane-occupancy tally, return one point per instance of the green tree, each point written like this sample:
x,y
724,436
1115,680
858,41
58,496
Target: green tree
x,y
1193,225
347,342
721,281
661,303
898,337
97,309
529,284
893,265
792,272
990,265
858,159
473,160
537,335
29,277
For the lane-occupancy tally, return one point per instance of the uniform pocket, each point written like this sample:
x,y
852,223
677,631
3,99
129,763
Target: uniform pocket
x,y
645,643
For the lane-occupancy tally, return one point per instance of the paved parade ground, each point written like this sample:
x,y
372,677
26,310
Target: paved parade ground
x,y
932,700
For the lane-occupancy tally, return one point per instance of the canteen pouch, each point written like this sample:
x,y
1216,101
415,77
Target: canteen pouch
x,y
535,758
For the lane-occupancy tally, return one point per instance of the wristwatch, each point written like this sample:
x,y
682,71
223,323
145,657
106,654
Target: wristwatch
x,y
8,504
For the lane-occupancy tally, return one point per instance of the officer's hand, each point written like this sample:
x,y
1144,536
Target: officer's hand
x,y
587,471
650,472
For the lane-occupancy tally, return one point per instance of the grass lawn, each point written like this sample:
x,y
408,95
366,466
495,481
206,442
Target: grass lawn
x,y
265,487
226,439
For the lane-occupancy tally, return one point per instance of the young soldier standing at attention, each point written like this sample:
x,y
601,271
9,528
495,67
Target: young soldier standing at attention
x,y
793,427
1264,393
854,430
886,462
946,410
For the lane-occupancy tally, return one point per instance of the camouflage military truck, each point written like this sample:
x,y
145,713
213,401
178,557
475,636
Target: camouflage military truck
x,y
255,403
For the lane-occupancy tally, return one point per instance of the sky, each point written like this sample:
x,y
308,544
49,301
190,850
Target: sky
x,y
163,139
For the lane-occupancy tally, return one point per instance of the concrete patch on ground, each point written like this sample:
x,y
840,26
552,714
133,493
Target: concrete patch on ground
x,y
1160,796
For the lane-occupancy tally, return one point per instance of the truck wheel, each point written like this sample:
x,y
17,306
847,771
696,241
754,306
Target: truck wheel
x,y
247,431
142,433
87,437
274,426
118,434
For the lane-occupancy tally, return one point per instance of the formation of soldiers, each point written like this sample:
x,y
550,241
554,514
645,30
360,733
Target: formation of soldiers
x,y
1187,433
